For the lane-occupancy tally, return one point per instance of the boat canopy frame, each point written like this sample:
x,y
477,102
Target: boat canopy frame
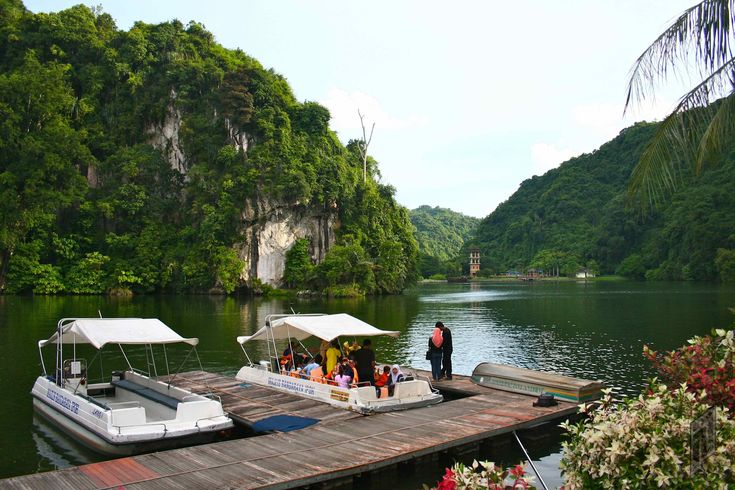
x,y
99,332
299,326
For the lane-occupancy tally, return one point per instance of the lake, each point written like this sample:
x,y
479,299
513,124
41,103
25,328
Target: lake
x,y
593,330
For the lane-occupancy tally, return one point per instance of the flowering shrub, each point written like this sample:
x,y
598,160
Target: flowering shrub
x,y
484,475
705,365
644,443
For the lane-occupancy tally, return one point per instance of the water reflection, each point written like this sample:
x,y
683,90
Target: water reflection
x,y
594,331
54,448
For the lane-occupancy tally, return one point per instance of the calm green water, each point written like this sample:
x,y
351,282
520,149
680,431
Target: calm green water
x,y
593,330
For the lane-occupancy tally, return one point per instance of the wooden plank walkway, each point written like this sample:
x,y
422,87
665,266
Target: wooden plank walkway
x,y
307,456
248,403
460,385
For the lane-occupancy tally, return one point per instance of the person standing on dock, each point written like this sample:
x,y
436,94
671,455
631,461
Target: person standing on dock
x,y
435,353
446,351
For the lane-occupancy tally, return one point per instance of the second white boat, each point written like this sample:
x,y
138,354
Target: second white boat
x,y
410,393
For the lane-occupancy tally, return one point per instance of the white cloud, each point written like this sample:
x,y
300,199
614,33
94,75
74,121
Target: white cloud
x,y
607,119
546,156
593,123
598,115
344,105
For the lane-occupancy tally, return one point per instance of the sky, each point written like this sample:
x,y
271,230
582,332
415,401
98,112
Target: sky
x,y
468,98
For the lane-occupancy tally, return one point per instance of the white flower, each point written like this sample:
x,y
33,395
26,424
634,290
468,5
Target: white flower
x,y
651,458
662,479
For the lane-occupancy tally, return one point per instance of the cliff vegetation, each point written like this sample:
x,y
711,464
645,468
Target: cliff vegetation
x,y
151,160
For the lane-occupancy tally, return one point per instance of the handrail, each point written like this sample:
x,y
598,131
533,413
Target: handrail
x,y
360,384
140,372
207,418
193,395
119,432
135,403
213,396
427,379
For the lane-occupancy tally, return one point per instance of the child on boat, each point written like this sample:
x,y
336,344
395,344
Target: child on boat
x,y
343,379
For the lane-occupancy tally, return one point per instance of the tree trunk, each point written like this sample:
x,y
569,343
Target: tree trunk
x,y
5,257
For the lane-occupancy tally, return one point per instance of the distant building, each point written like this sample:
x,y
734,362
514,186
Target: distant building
x,y
474,261
532,274
584,274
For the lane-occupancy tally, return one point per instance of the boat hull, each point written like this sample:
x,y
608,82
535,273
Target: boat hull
x,y
100,445
105,430
408,394
530,382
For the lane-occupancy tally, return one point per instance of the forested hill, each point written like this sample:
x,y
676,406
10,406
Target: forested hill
x,y
441,232
576,216
155,159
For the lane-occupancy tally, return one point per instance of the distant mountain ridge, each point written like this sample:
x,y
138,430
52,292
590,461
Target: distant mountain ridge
x,y
441,232
579,212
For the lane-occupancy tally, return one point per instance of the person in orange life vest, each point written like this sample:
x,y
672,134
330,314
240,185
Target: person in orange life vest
x,y
331,375
435,353
383,378
381,383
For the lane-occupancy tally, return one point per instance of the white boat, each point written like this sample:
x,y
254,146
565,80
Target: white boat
x,y
363,398
131,412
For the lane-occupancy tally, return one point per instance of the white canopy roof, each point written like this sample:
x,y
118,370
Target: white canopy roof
x,y
101,331
326,327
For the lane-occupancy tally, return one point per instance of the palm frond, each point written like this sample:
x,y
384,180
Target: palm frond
x,y
701,34
694,131
658,172
718,135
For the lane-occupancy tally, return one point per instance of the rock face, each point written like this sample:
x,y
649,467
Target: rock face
x,y
271,230
165,137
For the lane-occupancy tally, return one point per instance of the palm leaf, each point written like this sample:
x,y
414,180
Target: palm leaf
x,y
698,128
694,131
700,35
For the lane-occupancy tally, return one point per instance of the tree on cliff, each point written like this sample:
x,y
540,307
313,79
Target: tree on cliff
x,y
145,159
697,130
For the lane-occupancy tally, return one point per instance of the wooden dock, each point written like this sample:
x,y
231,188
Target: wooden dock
x,y
307,456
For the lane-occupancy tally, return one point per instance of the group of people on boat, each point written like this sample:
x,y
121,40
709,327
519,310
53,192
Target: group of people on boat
x,y
352,366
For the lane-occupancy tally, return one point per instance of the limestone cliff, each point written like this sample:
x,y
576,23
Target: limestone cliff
x,y
270,228
270,231
165,137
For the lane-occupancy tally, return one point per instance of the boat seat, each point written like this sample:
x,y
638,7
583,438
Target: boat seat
x,y
408,389
367,393
94,401
161,398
